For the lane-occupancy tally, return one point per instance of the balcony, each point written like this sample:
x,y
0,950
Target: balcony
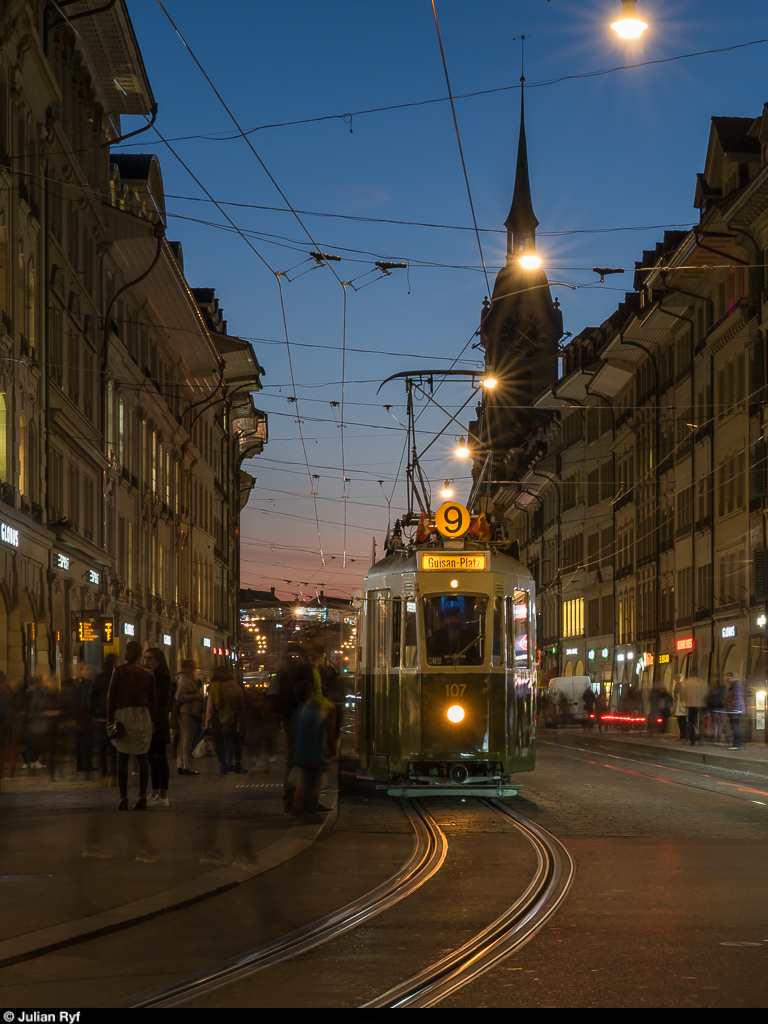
x,y
32,509
7,494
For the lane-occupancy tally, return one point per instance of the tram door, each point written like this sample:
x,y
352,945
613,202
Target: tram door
x,y
378,661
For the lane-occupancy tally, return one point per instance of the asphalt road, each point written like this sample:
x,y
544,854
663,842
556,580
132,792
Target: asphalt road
x,y
669,904
667,908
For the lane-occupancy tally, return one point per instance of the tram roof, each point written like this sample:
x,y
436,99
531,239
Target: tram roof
x,y
406,561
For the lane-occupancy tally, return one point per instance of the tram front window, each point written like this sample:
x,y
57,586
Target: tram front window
x,y
454,625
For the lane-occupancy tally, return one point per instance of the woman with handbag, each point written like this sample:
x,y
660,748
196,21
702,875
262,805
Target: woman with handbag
x,y
154,661
131,708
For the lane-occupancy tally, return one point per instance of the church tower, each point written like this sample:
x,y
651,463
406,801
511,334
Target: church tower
x,y
522,326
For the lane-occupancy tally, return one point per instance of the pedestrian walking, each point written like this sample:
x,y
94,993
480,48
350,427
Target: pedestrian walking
x,y
333,687
734,706
716,711
82,722
308,729
295,674
154,661
679,710
132,702
654,709
225,717
588,700
189,706
106,752
601,708
694,696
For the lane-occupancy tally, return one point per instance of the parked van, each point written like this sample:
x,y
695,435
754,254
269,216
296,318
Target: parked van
x,y
573,687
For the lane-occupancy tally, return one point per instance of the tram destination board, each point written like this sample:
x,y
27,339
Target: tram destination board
x,y
453,562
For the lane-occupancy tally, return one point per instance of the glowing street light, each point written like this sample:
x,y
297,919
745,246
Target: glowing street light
x,y
629,25
530,261
489,382
447,491
462,452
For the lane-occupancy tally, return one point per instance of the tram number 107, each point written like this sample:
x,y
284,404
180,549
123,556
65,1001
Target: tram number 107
x,y
455,689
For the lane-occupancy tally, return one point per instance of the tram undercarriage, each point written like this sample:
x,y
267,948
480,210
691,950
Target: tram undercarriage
x,y
451,778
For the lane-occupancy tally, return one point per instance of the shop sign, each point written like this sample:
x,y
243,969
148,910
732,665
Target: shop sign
x,y
9,535
167,639
761,621
129,629
686,644
571,650
93,576
604,652
62,561
728,632
591,654
619,657
206,641
663,659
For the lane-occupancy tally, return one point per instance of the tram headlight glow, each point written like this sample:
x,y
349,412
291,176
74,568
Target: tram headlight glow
x,y
455,713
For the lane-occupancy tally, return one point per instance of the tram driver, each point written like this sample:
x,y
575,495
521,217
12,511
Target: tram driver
x,y
452,643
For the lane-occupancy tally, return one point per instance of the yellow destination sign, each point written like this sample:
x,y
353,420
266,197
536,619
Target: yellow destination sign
x,y
453,562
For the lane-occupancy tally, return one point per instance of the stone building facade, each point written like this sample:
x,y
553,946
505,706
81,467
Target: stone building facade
x,y
642,511
125,409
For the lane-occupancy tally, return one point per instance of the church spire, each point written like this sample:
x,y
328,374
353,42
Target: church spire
x,y
521,221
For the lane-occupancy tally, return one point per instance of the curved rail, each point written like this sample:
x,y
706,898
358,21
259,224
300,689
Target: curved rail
x,y
554,874
429,852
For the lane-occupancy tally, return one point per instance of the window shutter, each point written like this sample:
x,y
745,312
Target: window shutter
x,y
761,574
761,469
758,365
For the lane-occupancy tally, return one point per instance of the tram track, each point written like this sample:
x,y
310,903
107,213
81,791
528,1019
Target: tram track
x,y
507,933
511,930
429,853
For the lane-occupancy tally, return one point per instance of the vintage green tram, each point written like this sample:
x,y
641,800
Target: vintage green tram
x,y
448,686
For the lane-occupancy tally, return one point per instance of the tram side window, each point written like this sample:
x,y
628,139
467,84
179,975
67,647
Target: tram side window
x,y
378,605
394,658
409,647
497,649
454,625
518,630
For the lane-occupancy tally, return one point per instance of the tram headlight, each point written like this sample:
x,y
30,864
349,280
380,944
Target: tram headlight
x,y
455,713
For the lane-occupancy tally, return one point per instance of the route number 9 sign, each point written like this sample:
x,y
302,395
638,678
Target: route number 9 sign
x,y
452,519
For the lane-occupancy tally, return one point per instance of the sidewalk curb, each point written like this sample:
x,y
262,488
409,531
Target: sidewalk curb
x,y
694,755
297,839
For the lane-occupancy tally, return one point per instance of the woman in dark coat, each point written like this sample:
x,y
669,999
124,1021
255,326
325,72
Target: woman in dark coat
x,y
132,701
154,660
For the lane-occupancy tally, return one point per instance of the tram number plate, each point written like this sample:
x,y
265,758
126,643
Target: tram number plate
x,y
455,689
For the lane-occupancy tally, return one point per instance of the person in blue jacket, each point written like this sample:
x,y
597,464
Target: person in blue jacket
x,y
308,727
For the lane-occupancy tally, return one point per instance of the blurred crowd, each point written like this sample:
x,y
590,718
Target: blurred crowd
x,y
136,717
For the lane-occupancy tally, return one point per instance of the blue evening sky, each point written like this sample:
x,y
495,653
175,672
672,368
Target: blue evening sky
x,y
613,162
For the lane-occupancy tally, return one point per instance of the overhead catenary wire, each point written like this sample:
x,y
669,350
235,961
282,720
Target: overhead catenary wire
x,y
458,141
544,83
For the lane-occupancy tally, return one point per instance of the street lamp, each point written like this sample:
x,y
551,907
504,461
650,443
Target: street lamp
x,y
462,452
629,25
529,260
489,381
447,491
